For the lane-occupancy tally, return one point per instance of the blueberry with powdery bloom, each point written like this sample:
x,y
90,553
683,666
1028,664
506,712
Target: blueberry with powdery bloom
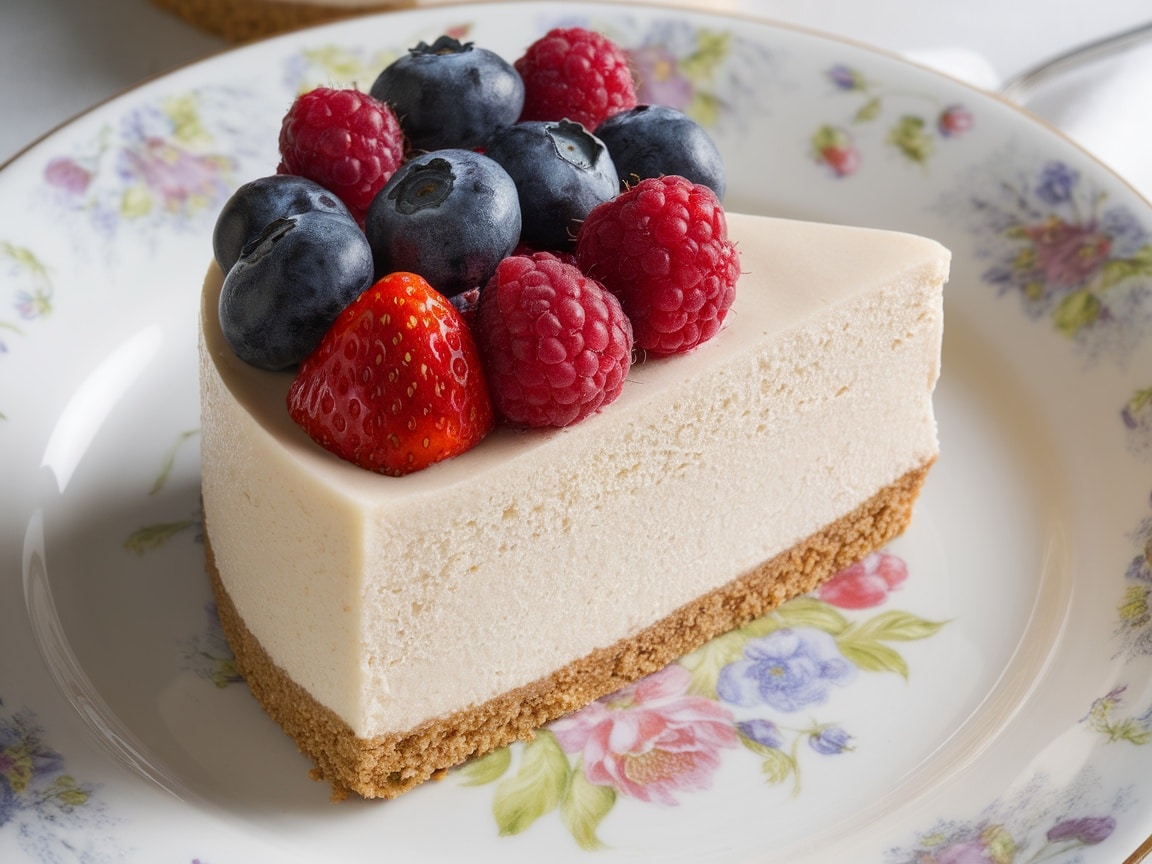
x,y
656,141
450,94
561,172
290,284
449,215
262,201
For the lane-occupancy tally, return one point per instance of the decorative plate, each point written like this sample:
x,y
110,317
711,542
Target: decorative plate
x,y
980,691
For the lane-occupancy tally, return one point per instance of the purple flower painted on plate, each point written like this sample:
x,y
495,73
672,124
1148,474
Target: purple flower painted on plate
x,y
788,670
1087,831
1056,183
763,732
846,78
830,741
966,852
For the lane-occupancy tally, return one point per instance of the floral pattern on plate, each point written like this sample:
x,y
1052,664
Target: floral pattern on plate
x,y
32,298
170,161
49,808
1073,258
1038,822
1137,417
913,131
664,736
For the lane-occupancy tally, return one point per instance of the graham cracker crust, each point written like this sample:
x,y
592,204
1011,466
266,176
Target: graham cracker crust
x,y
388,765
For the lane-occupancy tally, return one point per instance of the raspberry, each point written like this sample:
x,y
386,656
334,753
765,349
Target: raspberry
x,y
662,247
555,345
344,140
575,74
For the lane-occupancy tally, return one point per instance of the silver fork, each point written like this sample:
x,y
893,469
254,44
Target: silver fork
x,y
1021,86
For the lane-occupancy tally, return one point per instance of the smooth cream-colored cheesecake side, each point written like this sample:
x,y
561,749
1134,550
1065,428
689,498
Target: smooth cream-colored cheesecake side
x,y
395,600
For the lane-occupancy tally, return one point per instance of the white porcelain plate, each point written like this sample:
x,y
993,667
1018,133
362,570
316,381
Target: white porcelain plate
x,y
981,691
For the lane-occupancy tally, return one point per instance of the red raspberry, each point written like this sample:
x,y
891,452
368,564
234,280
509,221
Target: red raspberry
x,y
576,74
555,345
662,247
344,140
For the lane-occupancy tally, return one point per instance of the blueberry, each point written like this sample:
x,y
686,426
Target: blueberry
x,y
289,285
450,94
561,172
450,215
255,204
655,140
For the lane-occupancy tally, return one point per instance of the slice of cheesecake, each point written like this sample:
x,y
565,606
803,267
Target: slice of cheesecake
x,y
397,626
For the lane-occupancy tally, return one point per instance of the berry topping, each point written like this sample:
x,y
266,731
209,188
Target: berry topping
x,y
556,345
561,172
653,140
262,201
662,247
345,140
396,384
289,284
577,74
450,94
450,216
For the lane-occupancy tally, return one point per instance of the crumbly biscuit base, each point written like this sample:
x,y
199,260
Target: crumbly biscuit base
x,y
387,765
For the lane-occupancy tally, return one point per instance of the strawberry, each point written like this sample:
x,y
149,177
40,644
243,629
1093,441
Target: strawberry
x,y
396,384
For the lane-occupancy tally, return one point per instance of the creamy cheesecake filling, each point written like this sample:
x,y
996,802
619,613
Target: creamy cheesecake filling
x,y
396,600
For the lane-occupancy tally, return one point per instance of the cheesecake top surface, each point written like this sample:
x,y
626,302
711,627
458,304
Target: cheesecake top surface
x,y
791,271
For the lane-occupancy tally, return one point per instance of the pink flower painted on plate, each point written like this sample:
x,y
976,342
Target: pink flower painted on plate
x,y
865,583
954,121
660,79
177,176
66,174
651,739
1067,254
833,146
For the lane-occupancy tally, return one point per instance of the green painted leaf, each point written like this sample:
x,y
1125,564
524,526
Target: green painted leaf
x,y
910,137
810,612
536,788
170,461
706,661
584,806
778,766
873,656
1076,311
869,111
895,626
712,48
486,769
154,536
1117,270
